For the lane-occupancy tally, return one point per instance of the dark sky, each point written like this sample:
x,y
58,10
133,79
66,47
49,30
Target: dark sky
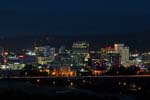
x,y
74,16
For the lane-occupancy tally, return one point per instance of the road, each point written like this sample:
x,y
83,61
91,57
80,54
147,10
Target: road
x,y
104,76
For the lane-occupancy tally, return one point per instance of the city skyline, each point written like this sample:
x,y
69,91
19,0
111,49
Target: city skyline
x,y
18,43
67,49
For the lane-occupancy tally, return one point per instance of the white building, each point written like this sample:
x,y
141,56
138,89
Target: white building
x,y
124,52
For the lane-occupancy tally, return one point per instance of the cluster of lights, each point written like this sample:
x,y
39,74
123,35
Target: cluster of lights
x,y
132,86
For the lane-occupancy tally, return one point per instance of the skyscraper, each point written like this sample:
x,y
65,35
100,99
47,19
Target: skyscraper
x,y
62,50
80,52
80,47
124,52
45,54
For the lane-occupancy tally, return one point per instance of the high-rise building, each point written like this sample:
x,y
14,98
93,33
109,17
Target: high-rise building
x,y
125,55
106,50
80,53
52,54
124,52
118,48
45,54
80,47
146,59
62,50
136,59
114,59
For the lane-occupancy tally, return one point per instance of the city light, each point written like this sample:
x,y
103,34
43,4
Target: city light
x,y
71,84
21,56
54,82
38,81
75,49
124,83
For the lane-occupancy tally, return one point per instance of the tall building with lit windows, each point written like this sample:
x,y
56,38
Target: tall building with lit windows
x,y
112,58
105,51
80,47
124,52
45,54
118,48
62,50
80,52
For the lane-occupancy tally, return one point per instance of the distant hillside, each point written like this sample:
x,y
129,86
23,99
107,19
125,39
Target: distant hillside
x,y
136,41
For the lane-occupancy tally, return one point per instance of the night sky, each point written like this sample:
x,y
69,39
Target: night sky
x,y
74,16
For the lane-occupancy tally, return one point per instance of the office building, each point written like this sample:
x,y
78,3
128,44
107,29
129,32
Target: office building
x,y
80,47
124,52
45,54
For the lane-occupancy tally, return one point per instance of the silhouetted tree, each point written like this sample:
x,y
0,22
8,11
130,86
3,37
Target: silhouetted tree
x,y
132,70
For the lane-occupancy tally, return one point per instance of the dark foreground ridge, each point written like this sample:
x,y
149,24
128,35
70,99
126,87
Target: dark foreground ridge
x,y
29,91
